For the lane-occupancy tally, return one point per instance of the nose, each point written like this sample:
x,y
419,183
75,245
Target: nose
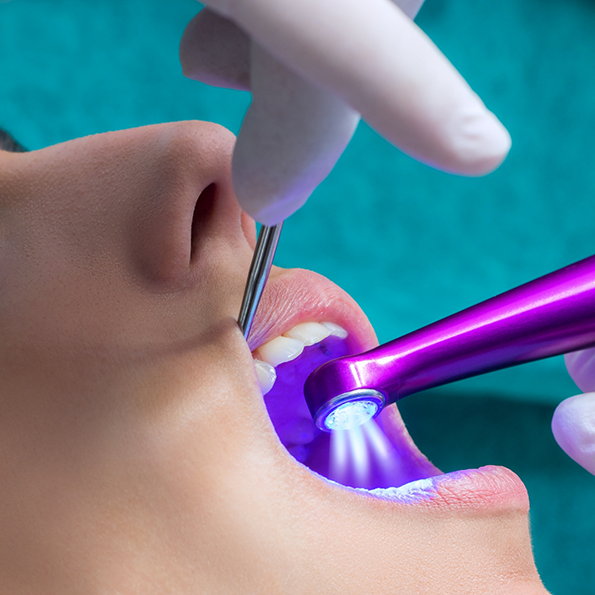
x,y
185,201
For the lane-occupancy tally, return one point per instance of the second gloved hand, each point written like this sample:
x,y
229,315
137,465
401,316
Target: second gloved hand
x,y
574,420
313,67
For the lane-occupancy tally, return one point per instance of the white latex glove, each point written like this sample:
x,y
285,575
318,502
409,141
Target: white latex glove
x,y
313,67
574,420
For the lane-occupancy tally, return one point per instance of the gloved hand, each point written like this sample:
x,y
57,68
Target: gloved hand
x,y
313,67
574,420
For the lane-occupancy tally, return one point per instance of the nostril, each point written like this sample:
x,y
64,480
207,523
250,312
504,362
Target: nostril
x,y
204,210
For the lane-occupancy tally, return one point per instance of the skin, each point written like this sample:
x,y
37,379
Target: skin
x,y
137,453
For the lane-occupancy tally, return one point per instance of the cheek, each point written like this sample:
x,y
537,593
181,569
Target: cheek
x,y
60,293
56,304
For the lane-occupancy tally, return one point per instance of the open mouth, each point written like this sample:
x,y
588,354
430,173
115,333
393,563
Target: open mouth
x,y
304,321
379,454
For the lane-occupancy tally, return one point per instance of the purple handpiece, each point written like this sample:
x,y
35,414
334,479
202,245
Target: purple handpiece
x,y
552,315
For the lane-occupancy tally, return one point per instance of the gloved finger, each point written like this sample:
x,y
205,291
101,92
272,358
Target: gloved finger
x,y
573,426
215,51
409,7
373,56
291,138
581,367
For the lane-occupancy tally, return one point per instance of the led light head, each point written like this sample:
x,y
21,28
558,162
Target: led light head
x,y
349,410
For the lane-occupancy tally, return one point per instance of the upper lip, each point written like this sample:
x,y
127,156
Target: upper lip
x,y
296,295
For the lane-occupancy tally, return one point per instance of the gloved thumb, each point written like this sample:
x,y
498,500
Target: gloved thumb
x,y
573,426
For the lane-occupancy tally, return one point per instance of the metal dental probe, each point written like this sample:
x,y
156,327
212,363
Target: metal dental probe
x,y
260,267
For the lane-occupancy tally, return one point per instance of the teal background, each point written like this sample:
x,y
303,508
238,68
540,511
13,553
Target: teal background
x,y
410,244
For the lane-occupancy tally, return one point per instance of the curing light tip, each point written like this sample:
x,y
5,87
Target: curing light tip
x,y
350,410
351,415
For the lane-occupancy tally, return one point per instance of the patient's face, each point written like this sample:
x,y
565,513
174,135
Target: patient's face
x,y
141,453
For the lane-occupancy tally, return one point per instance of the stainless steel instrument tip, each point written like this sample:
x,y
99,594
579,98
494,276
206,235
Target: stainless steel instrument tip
x,y
262,261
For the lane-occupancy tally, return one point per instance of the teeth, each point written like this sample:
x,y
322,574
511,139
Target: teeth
x,y
280,350
309,333
335,330
266,375
289,346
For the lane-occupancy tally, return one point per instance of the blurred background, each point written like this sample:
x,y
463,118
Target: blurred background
x,y
410,244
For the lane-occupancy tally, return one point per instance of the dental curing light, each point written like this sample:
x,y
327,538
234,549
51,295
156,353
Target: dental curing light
x,y
550,316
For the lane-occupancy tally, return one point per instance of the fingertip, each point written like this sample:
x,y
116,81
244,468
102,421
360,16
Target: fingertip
x,y
269,212
573,426
275,214
477,142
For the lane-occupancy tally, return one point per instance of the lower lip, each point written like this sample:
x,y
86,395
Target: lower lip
x,y
488,487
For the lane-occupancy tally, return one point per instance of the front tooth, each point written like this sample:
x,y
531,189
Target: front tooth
x,y
336,330
309,333
266,375
280,350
